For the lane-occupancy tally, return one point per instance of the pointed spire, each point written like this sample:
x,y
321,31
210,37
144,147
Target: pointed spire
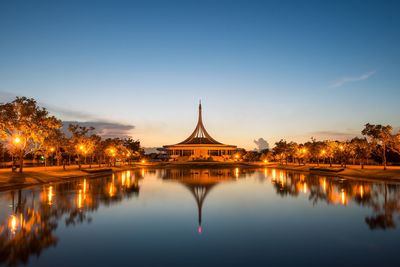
x,y
200,115
200,134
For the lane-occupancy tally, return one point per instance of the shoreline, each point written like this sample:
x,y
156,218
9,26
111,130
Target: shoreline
x,y
33,176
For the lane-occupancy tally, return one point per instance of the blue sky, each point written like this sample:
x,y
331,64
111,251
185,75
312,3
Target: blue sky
x,y
271,69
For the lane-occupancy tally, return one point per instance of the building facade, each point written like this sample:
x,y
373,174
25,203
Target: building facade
x,y
200,146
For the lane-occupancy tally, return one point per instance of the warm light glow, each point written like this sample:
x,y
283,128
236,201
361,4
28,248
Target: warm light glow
x,y
17,140
84,187
111,190
323,152
52,149
303,150
305,188
123,179
81,147
361,191
237,172
80,199
50,195
143,161
128,182
343,197
13,223
324,185
237,156
341,147
265,161
281,177
273,174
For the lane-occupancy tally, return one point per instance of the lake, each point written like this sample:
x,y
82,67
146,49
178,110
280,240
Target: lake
x,y
202,217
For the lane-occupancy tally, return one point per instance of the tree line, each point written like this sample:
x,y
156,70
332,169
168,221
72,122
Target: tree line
x,y
29,131
378,145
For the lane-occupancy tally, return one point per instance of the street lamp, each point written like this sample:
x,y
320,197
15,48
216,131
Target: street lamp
x,y
17,140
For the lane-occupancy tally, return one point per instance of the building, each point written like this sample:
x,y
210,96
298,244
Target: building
x,y
200,146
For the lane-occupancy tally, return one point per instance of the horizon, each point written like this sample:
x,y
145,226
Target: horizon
x,y
262,70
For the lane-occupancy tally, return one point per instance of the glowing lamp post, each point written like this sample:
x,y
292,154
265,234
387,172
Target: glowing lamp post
x,y
16,141
323,153
112,154
81,149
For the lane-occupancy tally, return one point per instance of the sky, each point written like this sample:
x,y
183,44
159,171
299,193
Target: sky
x,y
262,69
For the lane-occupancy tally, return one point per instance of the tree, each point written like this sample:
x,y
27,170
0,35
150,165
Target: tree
x,y
380,135
81,142
280,150
54,144
331,149
134,147
360,149
25,125
314,149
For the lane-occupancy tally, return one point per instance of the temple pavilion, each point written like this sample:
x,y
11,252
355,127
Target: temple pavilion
x,y
200,146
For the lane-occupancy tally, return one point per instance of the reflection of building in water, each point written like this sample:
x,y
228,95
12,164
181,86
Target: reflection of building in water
x,y
199,182
200,146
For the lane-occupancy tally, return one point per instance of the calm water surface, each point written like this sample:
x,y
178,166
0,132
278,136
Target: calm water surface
x,y
202,217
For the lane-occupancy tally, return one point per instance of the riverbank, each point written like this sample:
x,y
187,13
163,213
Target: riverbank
x,y
43,175
371,172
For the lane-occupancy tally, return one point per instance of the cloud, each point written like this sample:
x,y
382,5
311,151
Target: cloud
x,y
64,113
334,135
345,80
103,128
75,114
261,144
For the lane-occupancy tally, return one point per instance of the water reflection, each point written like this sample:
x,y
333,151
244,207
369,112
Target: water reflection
x,y
35,213
30,217
199,182
382,198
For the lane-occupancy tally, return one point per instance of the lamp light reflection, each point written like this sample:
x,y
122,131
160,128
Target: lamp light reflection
x,y
343,195
80,199
50,195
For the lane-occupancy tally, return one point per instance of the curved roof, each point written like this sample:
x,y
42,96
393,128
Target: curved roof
x,y
200,134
